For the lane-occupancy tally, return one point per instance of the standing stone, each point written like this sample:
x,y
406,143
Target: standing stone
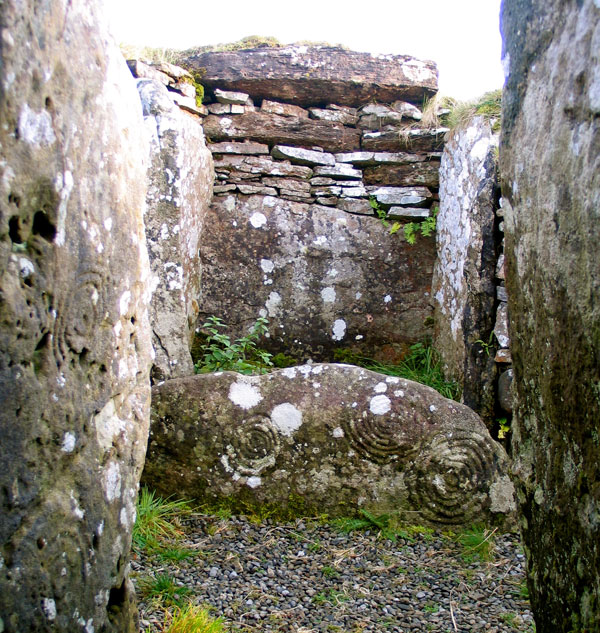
x,y
550,164
180,189
463,281
75,339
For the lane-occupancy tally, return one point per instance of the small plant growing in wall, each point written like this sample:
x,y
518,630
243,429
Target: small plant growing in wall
x,y
243,355
411,229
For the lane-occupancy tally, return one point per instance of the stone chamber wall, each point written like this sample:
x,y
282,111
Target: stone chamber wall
x,y
293,178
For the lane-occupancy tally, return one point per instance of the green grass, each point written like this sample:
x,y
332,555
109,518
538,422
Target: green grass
x,y
164,589
194,619
157,519
387,526
421,365
478,543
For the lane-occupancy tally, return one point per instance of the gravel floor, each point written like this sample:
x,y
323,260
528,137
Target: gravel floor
x,y
305,577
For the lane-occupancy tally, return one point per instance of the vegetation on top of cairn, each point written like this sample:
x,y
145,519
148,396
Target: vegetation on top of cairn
x,y
442,111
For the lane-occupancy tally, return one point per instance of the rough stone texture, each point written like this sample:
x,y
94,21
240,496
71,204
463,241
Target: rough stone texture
x,y
463,283
550,165
302,156
180,189
75,347
317,75
274,129
323,277
327,438
410,175
427,140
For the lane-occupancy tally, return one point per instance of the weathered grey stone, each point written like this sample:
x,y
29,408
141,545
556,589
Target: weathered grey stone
x,y
302,156
287,183
331,280
231,97
403,196
339,116
501,294
463,284
262,165
356,158
250,190
284,109
335,436
188,103
400,213
405,140
175,72
397,158
503,356
75,348
139,69
408,110
359,207
179,192
501,327
339,171
310,75
218,189
330,190
551,180
500,274
240,109
404,175
505,390
375,116
282,130
219,108
247,148
355,192
186,89
328,202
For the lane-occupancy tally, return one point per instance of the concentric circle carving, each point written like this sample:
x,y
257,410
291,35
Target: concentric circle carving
x,y
450,479
253,446
378,439
80,314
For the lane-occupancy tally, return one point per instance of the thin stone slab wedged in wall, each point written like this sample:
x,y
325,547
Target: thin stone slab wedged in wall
x,y
317,75
324,278
327,439
463,281
425,173
418,140
550,166
180,178
75,350
274,129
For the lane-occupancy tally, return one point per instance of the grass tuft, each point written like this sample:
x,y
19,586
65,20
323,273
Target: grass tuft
x,y
421,365
157,519
478,543
194,619
164,589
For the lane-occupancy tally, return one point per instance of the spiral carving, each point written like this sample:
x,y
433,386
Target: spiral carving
x,y
79,315
450,479
253,446
377,439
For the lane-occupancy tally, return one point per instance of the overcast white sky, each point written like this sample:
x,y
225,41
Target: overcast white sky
x,y
462,36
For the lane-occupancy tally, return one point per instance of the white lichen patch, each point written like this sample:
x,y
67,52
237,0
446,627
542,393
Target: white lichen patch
x,y
321,240
244,395
124,303
502,496
253,482
380,387
286,418
272,304
338,329
108,424
258,219
49,608
387,299
399,393
289,372
68,443
338,432
432,408
36,128
111,480
392,380
75,508
328,294
380,405
267,265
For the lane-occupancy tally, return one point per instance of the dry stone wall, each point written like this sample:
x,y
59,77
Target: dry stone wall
x,y
550,165
75,348
291,234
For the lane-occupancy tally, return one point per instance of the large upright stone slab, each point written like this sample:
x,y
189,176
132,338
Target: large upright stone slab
x,y
313,75
74,335
324,278
463,279
327,438
180,189
550,164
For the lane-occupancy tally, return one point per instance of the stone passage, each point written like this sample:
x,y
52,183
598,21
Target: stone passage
x,y
551,179
75,339
327,439
291,233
